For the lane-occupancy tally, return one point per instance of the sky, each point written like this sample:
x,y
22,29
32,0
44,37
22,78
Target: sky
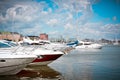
x,y
93,19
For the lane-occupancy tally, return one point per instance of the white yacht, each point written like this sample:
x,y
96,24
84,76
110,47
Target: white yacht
x,y
12,61
116,42
55,46
45,44
11,64
44,56
88,45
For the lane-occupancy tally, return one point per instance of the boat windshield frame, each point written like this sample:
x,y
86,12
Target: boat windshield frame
x,y
4,45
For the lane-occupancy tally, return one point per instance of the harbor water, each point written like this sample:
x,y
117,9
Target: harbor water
x,y
82,64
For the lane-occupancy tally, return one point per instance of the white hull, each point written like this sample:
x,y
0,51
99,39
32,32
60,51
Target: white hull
x,y
92,46
11,70
12,60
10,66
115,43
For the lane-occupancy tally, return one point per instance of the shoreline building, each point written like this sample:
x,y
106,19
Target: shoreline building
x,y
44,36
12,36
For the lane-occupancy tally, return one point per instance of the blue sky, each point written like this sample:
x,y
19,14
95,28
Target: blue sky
x,y
94,19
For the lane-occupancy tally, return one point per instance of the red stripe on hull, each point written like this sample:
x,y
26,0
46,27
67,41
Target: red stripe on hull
x,y
47,58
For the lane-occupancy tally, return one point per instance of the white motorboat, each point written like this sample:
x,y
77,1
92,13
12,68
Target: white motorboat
x,y
11,60
45,44
88,45
47,51
116,42
55,46
11,64
45,56
7,46
27,40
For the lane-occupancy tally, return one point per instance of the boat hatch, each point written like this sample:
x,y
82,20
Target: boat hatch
x,y
2,60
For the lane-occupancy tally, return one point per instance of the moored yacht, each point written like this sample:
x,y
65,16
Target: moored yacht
x,y
12,63
116,42
47,44
45,56
88,45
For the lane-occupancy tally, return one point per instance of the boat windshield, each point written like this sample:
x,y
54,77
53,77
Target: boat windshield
x,y
12,44
87,44
3,45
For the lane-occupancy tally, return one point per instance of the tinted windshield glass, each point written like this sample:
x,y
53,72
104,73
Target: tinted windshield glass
x,y
12,44
2,45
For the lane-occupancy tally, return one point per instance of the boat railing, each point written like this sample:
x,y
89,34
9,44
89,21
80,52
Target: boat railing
x,y
24,49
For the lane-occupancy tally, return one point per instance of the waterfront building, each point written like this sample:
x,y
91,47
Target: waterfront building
x,y
44,36
13,36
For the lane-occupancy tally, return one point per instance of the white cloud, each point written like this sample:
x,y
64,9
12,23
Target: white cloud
x,y
73,5
70,16
112,28
30,31
44,12
53,32
98,30
33,17
68,26
21,12
52,22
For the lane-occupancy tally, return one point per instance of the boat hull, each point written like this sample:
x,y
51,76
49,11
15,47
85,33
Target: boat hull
x,y
93,46
9,66
45,59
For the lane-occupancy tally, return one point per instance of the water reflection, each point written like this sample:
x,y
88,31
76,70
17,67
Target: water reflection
x,y
9,77
76,65
39,72
35,73
88,50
